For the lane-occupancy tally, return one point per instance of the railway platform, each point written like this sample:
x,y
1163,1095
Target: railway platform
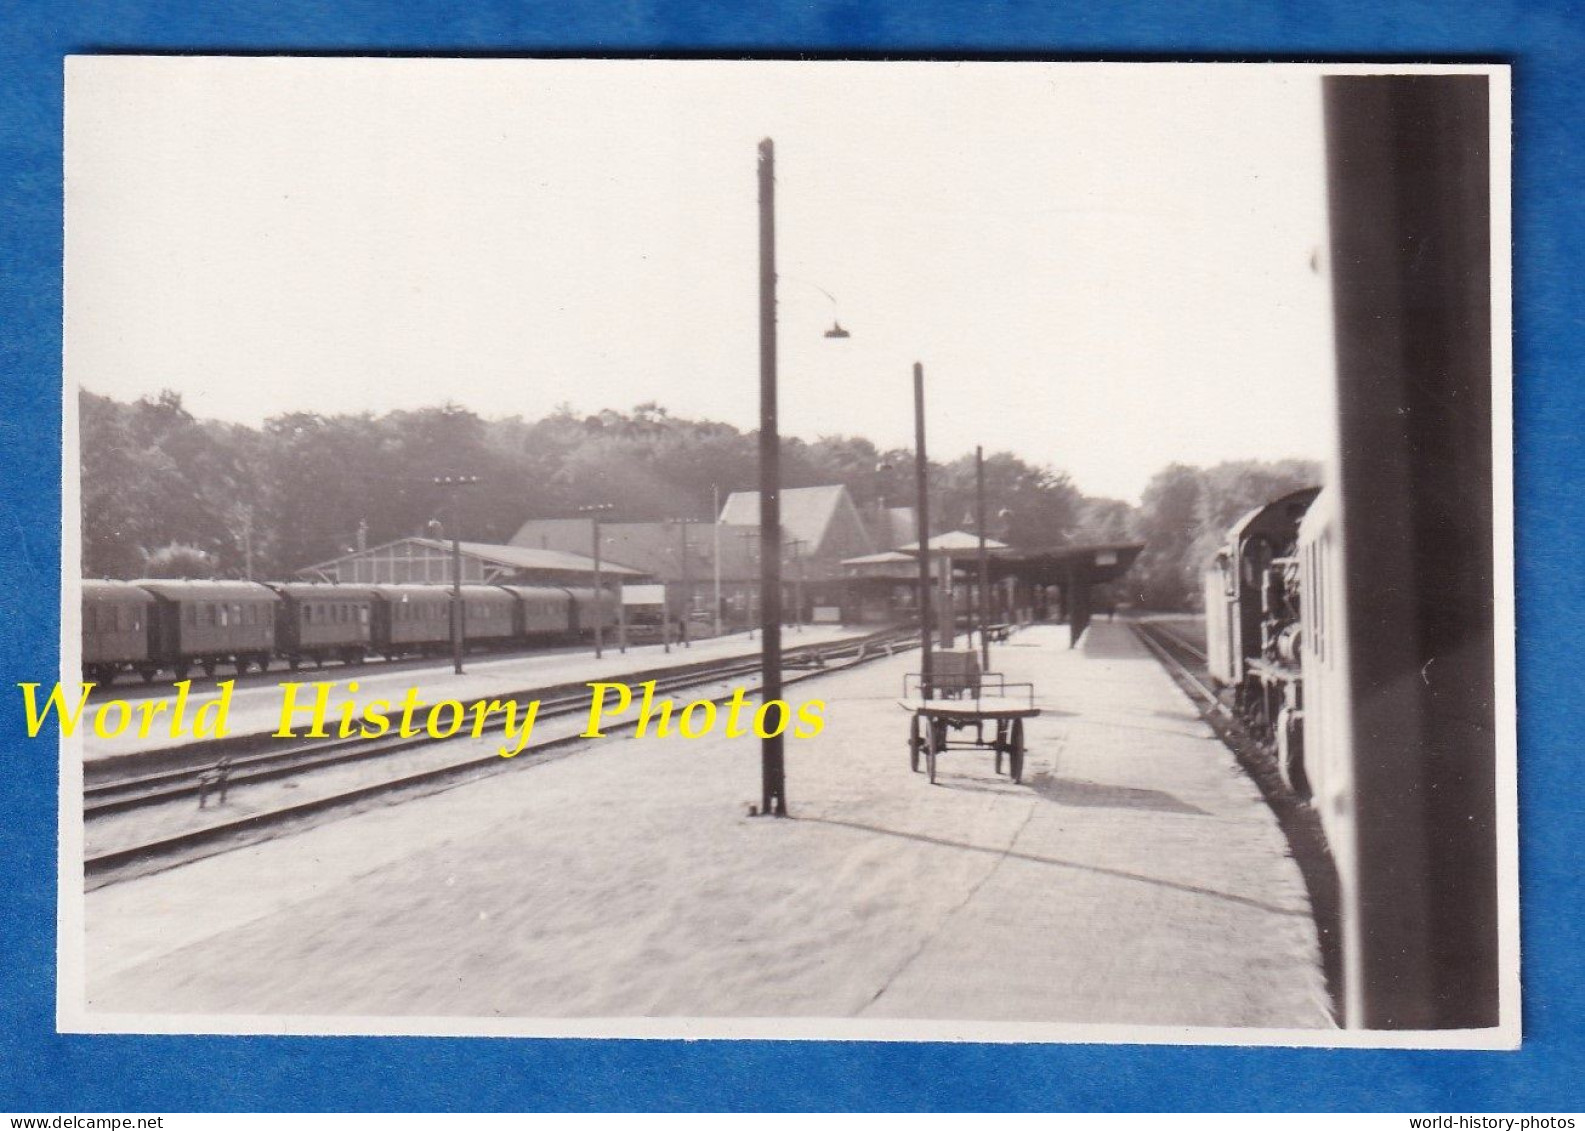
x,y
1135,877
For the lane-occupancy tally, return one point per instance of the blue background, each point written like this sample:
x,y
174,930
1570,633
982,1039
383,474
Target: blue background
x,y
41,1071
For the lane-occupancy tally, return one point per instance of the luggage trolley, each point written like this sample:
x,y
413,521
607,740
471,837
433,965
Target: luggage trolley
x,y
961,697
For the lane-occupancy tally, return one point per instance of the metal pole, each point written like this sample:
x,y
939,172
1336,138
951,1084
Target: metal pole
x,y
773,792
922,526
715,524
456,587
687,588
798,550
949,613
621,617
750,606
599,594
985,565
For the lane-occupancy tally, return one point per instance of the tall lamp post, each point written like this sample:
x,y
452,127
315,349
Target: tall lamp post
x,y
796,545
773,777
773,791
452,484
687,583
922,527
595,510
750,538
985,565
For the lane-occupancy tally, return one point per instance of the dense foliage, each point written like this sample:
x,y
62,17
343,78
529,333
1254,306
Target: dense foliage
x,y
163,491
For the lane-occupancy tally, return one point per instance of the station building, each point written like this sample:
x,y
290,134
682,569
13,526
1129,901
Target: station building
x,y
428,561
820,527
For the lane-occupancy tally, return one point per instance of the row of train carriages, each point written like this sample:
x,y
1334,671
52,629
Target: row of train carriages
x,y
148,627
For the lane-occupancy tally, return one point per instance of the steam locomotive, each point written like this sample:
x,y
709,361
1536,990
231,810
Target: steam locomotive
x,y
1357,625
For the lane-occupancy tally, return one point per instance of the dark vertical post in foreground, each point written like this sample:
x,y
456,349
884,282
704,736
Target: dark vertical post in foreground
x,y
985,566
1409,193
773,793
922,525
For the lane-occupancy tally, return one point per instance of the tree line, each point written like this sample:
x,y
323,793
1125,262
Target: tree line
x,y
165,493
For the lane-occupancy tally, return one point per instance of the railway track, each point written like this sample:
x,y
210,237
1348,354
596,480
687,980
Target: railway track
x,y
1184,661
133,792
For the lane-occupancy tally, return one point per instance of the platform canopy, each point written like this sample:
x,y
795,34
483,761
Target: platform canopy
x,y
1069,565
956,543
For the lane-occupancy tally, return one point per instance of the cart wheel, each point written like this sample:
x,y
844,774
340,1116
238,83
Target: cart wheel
x,y
938,737
1000,744
1015,763
914,743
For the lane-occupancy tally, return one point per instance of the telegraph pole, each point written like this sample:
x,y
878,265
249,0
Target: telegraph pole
x,y
985,565
594,511
687,587
773,791
922,526
715,527
453,483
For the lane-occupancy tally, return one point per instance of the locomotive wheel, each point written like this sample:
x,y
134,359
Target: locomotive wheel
x,y
180,671
208,666
147,674
242,665
107,677
264,664
294,662
914,743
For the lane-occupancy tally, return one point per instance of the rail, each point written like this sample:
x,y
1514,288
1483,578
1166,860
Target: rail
x,y
141,791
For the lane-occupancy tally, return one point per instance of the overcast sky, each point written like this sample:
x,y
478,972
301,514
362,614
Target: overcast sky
x,y
1102,268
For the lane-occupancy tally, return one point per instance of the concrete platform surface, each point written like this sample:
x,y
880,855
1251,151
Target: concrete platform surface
x,y
1134,878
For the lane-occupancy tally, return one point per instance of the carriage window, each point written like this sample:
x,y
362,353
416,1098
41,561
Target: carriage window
x,y
190,614
363,614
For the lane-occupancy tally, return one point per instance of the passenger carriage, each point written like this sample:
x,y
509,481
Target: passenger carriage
x,y
410,620
116,618
205,624
543,612
316,622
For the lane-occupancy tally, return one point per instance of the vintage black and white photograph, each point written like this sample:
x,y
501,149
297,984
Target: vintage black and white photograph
x,y
997,551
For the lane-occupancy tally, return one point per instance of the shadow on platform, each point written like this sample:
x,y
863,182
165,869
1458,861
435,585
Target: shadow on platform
x,y
1052,861
1067,791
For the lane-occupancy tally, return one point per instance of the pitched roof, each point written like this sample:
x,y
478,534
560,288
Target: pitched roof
x,y
956,541
516,557
807,513
654,547
527,557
